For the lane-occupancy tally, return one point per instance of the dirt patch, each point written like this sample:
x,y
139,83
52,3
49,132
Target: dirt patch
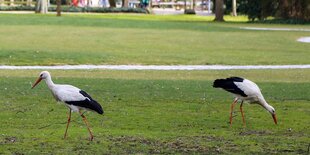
x,y
8,140
254,132
183,145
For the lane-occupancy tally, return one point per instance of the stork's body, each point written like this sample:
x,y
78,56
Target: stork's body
x,y
74,98
244,90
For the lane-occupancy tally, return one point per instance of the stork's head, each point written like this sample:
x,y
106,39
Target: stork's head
x,y
272,112
43,75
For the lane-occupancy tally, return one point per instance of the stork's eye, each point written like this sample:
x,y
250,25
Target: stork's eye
x,y
41,75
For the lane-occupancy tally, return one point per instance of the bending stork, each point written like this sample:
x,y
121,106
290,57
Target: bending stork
x,y
245,90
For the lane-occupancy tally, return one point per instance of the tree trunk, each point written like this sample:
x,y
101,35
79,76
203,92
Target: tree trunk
x,y
150,5
125,3
38,6
209,6
285,11
234,7
44,7
58,9
88,3
219,11
41,6
112,3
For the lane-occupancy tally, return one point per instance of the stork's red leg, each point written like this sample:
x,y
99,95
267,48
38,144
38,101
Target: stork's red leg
x,y
242,113
69,119
87,124
232,109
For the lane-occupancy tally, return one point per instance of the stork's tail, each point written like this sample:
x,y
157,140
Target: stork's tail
x,y
97,107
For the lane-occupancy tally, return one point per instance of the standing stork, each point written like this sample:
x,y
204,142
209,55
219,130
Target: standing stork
x,y
245,90
74,98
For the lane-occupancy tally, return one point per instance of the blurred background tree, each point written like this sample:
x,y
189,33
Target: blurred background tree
x,y
280,9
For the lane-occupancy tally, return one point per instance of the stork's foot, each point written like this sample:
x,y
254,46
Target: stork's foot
x,y
91,138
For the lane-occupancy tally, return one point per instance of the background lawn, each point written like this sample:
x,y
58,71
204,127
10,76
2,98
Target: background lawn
x,y
151,112
144,39
147,114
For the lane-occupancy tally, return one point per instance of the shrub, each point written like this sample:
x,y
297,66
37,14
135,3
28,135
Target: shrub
x,y
189,11
287,11
77,9
17,8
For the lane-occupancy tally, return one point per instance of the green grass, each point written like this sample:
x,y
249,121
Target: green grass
x,y
151,112
144,39
155,112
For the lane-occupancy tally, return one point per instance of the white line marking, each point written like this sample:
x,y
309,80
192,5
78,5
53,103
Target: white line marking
x,y
155,67
274,29
304,39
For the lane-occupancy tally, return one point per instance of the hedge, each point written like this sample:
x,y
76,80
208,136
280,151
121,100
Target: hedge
x,y
77,9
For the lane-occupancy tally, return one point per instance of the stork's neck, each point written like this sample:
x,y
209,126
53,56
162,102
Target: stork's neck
x,y
49,82
265,104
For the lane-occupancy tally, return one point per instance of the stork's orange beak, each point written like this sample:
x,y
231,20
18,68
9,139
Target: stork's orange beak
x,y
38,81
274,118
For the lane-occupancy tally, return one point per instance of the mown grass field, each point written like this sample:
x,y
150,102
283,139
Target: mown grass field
x,y
151,112
154,112
144,39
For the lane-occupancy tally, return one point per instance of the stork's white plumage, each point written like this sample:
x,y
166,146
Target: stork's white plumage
x,y
245,90
74,98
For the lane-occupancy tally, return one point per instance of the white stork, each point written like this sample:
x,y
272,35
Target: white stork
x,y
74,98
245,90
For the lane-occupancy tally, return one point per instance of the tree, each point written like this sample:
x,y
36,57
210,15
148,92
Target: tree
x,y
234,7
58,9
150,5
41,6
294,9
125,3
219,10
112,3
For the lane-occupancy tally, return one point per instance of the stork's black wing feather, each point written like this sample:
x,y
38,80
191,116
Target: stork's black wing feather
x,y
229,85
88,103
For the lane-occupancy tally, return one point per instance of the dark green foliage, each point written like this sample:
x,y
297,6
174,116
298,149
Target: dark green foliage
x,y
243,6
76,9
17,8
189,11
294,9
261,9
255,9
116,10
282,21
63,2
290,11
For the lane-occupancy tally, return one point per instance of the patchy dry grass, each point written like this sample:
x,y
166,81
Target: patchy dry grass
x,y
159,115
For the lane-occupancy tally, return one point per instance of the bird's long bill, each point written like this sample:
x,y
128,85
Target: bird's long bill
x,y
274,118
38,81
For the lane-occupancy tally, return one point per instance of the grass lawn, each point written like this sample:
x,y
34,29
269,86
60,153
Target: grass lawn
x,y
160,112
145,39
